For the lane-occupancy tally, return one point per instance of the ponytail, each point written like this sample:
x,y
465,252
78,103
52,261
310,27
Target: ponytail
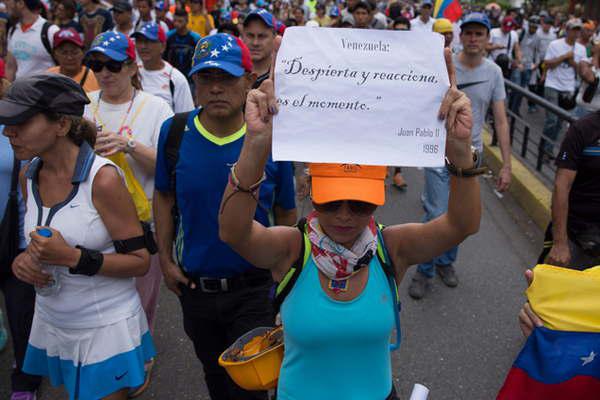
x,y
82,130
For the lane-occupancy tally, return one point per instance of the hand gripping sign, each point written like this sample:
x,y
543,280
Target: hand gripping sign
x,y
360,96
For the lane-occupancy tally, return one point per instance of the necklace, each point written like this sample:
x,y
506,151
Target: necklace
x,y
122,126
338,286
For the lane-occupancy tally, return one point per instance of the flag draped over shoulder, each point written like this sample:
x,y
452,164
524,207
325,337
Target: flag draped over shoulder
x,y
449,9
562,359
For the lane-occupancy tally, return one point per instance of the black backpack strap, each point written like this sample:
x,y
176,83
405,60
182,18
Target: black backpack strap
x,y
84,77
174,138
172,86
14,180
283,288
46,40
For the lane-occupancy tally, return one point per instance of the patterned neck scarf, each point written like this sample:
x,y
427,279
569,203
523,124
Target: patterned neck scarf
x,y
336,261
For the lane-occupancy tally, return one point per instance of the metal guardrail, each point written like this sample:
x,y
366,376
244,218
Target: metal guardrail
x,y
526,135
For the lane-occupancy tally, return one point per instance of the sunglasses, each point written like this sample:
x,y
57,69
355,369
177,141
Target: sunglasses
x,y
113,66
356,207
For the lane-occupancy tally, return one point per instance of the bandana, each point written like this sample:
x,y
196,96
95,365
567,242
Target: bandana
x,y
336,261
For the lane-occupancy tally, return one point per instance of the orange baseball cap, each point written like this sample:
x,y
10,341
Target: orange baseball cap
x,y
333,182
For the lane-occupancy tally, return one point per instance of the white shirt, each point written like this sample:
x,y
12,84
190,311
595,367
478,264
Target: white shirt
x,y
563,77
418,25
158,83
28,49
142,124
545,40
82,301
498,37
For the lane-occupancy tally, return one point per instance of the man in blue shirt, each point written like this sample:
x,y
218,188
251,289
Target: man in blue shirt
x,y
181,43
222,296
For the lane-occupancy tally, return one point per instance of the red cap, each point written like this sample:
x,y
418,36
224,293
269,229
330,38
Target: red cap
x,y
509,23
67,35
2,71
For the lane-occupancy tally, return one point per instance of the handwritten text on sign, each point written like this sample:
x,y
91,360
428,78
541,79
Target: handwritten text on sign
x,y
360,96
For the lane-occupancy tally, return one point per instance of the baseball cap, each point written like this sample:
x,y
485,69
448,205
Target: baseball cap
x,y
151,31
574,24
121,6
476,18
590,25
114,45
263,15
333,182
534,19
30,95
508,22
442,25
67,35
221,51
334,12
427,3
548,19
161,5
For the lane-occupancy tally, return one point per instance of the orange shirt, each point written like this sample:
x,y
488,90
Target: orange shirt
x,y
90,84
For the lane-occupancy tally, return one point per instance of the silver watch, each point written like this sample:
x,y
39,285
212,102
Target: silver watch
x,y
130,146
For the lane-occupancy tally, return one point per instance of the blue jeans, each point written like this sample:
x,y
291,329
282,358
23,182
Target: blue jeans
x,y
435,203
522,79
552,124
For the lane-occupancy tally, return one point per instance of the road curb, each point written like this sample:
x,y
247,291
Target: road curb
x,y
526,188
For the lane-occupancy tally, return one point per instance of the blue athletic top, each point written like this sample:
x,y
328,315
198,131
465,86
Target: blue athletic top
x,y
334,349
202,173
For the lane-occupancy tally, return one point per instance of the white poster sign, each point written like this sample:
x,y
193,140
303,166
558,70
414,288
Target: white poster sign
x,y
360,96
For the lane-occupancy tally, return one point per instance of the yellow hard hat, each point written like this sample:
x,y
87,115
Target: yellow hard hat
x,y
254,360
442,25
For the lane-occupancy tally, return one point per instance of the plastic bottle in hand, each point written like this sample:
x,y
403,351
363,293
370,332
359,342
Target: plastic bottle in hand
x,y
54,285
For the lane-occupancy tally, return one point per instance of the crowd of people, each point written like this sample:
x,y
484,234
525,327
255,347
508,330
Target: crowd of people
x,y
136,149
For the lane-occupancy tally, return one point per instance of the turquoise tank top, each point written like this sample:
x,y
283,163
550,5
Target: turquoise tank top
x,y
335,349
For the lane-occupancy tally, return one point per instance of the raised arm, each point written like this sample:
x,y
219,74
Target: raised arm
x,y
273,248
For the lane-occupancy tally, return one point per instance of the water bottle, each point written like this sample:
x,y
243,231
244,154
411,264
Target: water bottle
x,y
54,285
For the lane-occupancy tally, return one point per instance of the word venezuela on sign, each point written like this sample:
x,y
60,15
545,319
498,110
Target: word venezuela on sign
x,y
360,96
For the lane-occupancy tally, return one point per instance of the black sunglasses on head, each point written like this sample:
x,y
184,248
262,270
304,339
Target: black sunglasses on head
x,y
113,66
356,207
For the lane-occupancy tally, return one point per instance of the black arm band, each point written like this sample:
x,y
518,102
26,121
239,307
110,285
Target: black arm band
x,y
89,263
146,241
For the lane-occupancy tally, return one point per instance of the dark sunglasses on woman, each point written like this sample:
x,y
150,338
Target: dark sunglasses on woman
x,y
356,207
113,66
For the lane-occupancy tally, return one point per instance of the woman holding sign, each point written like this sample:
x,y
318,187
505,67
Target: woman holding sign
x,y
339,308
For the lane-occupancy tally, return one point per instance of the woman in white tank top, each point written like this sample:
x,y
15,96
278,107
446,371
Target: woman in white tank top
x,y
89,331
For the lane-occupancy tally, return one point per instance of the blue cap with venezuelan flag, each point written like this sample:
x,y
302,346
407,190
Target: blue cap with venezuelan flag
x,y
560,360
449,9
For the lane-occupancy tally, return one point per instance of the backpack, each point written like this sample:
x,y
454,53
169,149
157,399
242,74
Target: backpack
x,y
503,60
174,138
43,37
283,288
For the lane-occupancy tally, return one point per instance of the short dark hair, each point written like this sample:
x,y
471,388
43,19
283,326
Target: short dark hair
x,y
150,2
230,27
299,8
362,4
180,12
402,20
70,7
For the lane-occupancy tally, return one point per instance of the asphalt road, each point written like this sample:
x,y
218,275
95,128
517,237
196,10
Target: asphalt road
x,y
458,342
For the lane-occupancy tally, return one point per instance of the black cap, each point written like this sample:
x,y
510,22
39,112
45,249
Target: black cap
x,y
38,93
121,6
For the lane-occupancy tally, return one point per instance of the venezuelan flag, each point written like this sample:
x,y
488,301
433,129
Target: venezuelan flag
x,y
560,360
449,9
